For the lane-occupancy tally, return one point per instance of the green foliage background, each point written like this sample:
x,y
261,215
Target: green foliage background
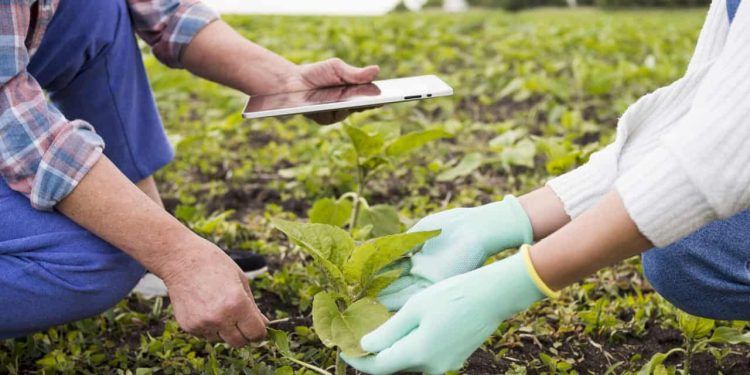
x,y
535,93
521,4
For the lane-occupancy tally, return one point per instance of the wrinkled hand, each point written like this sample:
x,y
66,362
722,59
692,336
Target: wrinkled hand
x,y
331,72
211,297
439,328
469,237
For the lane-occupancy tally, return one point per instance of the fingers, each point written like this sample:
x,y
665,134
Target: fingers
x,y
391,331
233,337
403,355
253,326
242,322
210,336
329,117
350,74
400,291
248,325
424,225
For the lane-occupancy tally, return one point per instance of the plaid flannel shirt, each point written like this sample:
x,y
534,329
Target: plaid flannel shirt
x,y
42,154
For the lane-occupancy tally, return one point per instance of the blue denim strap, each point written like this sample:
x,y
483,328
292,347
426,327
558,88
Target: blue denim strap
x,y
732,6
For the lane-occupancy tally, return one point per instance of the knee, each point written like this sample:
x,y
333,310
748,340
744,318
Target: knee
x,y
693,286
107,276
117,282
665,272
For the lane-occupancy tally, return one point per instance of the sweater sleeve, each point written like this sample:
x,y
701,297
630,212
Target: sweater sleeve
x,y
700,170
638,132
641,125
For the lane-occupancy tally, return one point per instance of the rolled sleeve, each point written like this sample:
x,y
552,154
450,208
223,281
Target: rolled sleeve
x,y
169,26
662,200
582,187
73,152
699,172
44,156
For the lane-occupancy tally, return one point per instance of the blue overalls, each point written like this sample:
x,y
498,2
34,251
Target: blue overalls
x,y
708,273
51,270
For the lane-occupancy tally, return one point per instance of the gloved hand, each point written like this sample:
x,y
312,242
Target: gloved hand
x,y
469,236
439,328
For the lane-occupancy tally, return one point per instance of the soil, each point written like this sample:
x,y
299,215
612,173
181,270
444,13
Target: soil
x,y
593,354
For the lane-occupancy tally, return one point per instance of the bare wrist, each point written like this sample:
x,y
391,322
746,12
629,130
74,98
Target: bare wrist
x,y
179,250
545,211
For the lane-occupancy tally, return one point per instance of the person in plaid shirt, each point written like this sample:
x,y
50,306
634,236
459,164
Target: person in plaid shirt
x,y
80,138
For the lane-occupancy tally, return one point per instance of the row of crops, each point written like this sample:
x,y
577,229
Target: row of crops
x,y
535,94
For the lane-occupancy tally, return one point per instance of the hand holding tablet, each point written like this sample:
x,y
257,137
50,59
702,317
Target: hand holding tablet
x,y
330,100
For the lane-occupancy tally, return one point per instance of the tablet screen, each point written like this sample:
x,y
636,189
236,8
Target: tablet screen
x,y
337,94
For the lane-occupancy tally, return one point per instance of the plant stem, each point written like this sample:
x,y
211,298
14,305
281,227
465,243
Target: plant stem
x,y
307,365
340,364
357,203
688,356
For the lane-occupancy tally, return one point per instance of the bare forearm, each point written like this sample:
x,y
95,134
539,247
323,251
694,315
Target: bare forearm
x,y
600,237
220,54
106,203
545,211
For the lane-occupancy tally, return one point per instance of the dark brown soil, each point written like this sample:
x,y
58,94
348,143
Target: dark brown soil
x,y
592,354
255,197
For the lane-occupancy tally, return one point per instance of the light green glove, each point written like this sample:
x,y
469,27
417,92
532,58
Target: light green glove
x,y
439,328
469,236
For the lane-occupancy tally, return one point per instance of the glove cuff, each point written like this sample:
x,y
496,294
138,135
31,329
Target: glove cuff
x,y
508,225
521,218
535,276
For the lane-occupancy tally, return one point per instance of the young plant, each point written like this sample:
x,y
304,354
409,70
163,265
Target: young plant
x,y
698,336
354,273
346,309
373,147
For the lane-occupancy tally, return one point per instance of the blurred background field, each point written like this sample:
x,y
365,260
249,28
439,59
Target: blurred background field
x,y
535,93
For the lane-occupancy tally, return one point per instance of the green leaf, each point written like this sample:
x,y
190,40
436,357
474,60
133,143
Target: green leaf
x,y
386,129
412,141
280,340
657,360
661,370
366,144
468,164
374,162
286,370
331,211
380,282
730,335
383,218
694,327
328,245
344,330
359,319
370,257
520,154
47,362
324,310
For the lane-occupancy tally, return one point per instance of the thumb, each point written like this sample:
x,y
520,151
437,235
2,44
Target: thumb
x,y
391,331
400,291
350,74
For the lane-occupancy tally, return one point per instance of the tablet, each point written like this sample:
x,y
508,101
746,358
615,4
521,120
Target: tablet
x,y
346,97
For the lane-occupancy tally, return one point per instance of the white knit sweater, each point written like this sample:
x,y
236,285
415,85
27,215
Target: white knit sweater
x,y
681,158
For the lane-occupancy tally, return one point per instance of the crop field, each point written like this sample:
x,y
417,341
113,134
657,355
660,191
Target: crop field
x,y
535,94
